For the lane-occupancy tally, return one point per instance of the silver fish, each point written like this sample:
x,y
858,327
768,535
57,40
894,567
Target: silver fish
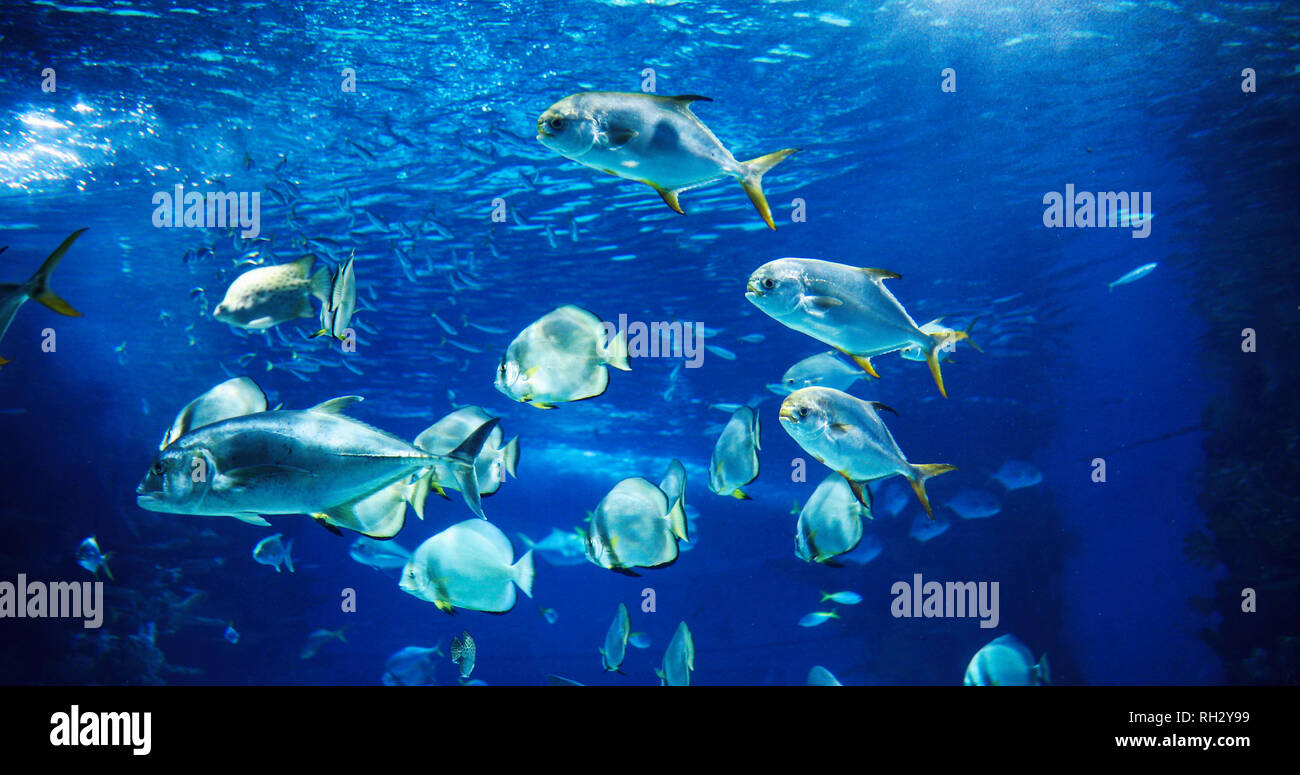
x,y
735,455
653,140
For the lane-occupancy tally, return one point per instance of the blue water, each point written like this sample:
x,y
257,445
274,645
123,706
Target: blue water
x,y
944,188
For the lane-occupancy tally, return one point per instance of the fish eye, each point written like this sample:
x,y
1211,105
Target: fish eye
x,y
769,283
157,468
803,411
556,123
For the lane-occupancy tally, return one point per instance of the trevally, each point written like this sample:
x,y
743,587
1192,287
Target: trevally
x,y
653,140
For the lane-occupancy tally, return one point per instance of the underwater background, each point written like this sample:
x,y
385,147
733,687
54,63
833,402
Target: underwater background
x,y
1135,580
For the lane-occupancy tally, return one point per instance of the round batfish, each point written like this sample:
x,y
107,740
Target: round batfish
x,y
830,523
820,676
974,504
653,140
735,455
679,659
561,357
1006,661
411,666
635,527
493,462
269,295
1017,474
615,647
847,434
468,565
844,306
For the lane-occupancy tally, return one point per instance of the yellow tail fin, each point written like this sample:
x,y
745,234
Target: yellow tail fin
x,y
753,181
39,285
921,472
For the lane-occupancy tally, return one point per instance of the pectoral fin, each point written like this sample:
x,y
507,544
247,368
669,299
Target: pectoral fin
x,y
252,519
669,197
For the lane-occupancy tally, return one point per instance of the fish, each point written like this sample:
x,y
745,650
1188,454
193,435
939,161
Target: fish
x,y
1017,475
679,659
615,648
339,302
846,307
735,454
231,634
469,565
561,357
559,680
753,338
974,504
317,640
847,434
316,461
925,529
380,555
892,498
817,618
830,523
721,352
639,640
92,559
674,485
494,461
549,614
1005,661
820,676
269,295
653,140
13,295
949,338
635,526
274,552
824,369
868,549
560,547
1136,274
464,652
843,598
411,666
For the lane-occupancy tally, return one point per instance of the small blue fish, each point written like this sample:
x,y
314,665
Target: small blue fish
x,y
844,598
549,615
231,634
817,617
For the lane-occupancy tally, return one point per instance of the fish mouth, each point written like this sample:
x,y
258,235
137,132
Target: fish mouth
x,y
786,414
752,290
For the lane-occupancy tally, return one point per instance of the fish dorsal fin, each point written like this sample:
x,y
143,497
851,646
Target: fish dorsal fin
x,y
670,198
336,405
881,274
685,100
303,265
882,407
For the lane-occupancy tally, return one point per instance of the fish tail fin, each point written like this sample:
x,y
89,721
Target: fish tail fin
x,y
752,181
614,351
463,458
418,494
677,521
932,359
288,555
966,333
1042,671
38,287
523,572
922,472
104,564
510,456
320,285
